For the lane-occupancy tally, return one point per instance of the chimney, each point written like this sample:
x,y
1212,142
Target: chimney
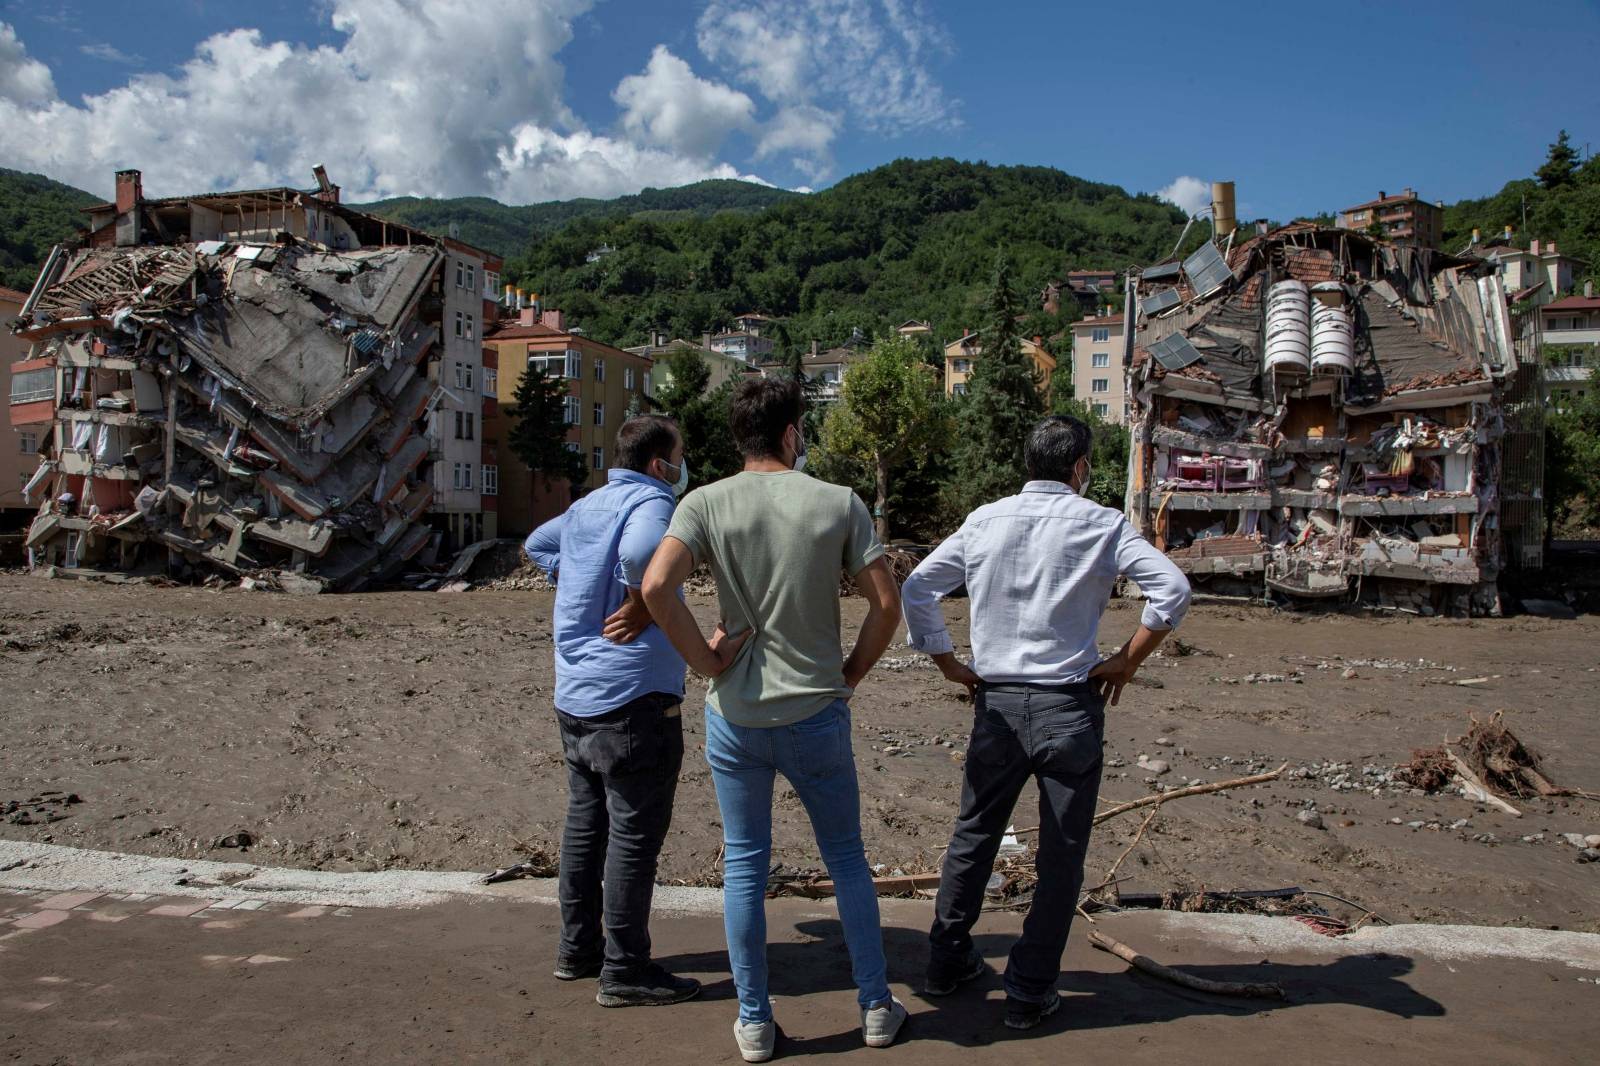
x,y
553,318
813,346
1549,247
326,189
1382,195
1508,233
1534,246
1409,193
527,316
130,190
705,340
1588,290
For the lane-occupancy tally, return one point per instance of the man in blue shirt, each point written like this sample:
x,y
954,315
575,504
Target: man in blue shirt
x,y
619,687
1039,568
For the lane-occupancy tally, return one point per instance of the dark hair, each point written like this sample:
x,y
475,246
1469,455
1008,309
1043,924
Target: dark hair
x,y
1055,446
762,408
643,438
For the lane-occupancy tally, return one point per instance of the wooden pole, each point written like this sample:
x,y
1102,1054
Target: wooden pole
x,y
1178,977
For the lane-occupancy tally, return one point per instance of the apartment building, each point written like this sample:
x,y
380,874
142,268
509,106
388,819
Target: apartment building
x,y
1404,219
29,391
722,365
1097,373
962,354
465,492
1569,336
602,383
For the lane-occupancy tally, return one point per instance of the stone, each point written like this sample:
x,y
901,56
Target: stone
x,y
1577,840
1154,766
1310,818
1592,840
1165,742
1589,855
1349,673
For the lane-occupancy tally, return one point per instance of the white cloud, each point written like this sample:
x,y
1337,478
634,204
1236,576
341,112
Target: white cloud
x,y
822,62
111,54
1190,194
22,80
424,97
668,106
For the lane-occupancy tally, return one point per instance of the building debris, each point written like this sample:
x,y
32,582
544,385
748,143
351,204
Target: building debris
x,y
1328,415
249,403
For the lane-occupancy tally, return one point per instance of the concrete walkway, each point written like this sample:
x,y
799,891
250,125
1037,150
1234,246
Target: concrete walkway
x,y
280,967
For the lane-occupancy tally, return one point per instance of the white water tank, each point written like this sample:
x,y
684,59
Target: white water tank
x,y
1332,340
1288,328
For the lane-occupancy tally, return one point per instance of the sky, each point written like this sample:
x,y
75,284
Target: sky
x,y
1307,108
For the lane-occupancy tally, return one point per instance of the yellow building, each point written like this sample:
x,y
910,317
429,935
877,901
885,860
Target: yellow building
x,y
960,355
602,383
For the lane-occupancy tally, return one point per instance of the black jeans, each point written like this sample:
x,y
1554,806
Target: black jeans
x,y
622,773
1054,735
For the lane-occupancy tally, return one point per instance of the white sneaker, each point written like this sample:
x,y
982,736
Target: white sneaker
x,y
881,1023
755,1039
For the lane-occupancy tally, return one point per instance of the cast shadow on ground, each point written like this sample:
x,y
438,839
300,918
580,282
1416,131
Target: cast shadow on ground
x,y
973,1016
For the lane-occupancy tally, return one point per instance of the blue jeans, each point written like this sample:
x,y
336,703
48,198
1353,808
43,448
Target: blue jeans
x,y
816,758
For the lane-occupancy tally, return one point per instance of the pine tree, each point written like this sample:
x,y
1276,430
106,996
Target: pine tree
x,y
702,415
1560,164
1002,405
539,428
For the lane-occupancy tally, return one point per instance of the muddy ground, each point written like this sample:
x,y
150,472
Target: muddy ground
x,y
415,730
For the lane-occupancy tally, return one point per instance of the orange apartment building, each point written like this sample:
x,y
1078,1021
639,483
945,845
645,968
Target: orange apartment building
x,y
602,383
29,388
960,356
1405,219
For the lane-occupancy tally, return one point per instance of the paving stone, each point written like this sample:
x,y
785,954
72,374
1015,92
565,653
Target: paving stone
x,y
182,910
41,919
66,901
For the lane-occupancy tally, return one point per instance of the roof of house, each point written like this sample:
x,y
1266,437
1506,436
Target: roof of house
x,y
912,323
1100,320
754,315
1574,303
1518,297
1398,198
517,331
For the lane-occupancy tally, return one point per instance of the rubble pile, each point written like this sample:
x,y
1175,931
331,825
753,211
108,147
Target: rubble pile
x,y
249,408
1317,414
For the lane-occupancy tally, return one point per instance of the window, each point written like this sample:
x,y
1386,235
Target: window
x,y
599,414
463,375
959,389
461,273
472,277
30,442
491,480
1101,333
1100,359
599,458
627,377
569,411
1100,385
30,385
464,425
599,368
491,382
469,327
491,284
461,476
559,365
571,446
1101,409
460,324
962,366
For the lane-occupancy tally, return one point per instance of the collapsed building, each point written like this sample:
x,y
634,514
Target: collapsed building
x,y
1321,414
241,384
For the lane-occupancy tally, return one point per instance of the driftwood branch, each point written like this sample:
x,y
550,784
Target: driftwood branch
x,y
1178,793
1111,874
1178,977
1476,789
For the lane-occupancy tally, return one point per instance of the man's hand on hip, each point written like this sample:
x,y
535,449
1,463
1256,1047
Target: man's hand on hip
x,y
629,620
955,670
726,648
1110,674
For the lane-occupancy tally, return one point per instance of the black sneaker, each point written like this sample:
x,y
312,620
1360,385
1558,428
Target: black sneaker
x,y
577,969
1021,1015
654,987
942,980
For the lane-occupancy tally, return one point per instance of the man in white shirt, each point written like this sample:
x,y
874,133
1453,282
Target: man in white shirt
x,y
1039,569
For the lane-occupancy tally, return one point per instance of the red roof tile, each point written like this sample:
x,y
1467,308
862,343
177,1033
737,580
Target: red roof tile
x,y
1574,303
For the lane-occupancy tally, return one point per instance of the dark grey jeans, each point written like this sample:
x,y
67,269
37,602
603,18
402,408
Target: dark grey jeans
x,y
1054,735
622,774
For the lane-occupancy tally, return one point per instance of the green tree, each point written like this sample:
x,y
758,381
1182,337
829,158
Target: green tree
x,y
702,415
539,428
891,409
1560,164
1002,405
1572,465
1108,456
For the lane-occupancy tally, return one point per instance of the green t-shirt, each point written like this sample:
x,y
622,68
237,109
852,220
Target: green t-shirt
x,y
776,543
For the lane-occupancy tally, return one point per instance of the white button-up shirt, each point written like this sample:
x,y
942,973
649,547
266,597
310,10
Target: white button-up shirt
x,y
1039,568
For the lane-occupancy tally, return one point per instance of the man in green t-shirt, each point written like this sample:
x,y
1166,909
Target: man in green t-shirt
x,y
776,541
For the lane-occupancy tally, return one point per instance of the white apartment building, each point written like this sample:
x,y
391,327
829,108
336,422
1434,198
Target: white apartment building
x,y
463,505
1097,372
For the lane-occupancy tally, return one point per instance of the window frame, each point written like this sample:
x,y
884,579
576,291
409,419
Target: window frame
x,y
600,414
1100,385
489,480
597,457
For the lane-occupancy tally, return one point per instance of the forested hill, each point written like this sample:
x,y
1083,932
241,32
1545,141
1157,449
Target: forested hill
x,y
35,214
913,239
1561,204
507,230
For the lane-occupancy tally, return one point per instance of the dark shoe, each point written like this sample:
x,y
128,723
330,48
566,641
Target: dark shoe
x,y
577,969
654,987
943,980
1021,1015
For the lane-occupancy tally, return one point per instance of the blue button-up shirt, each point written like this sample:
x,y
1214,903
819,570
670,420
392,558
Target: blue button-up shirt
x,y
1039,568
601,547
